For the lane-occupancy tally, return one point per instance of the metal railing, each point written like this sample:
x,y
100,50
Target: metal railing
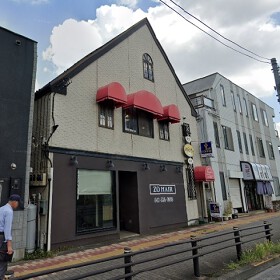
x,y
131,263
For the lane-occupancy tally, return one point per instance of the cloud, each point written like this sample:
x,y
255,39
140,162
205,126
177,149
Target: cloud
x,y
192,53
128,3
72,40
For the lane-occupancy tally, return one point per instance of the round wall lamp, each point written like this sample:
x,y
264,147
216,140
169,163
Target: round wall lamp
x,y
13,166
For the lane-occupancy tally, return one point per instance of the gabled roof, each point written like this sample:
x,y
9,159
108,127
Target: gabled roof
x,y
201,84
90,58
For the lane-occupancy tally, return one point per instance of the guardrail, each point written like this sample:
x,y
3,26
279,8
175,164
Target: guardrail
x,y
131,264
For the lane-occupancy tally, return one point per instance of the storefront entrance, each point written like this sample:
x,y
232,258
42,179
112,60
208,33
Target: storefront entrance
x,y
254,201
128,202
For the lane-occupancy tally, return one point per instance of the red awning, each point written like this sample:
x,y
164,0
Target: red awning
x,y
146,101
171,113
204,174
113,91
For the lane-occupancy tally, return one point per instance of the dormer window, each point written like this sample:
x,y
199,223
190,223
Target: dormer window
x,y
148,70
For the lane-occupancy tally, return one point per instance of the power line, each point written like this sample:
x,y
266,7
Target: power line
x,y
212,35
216,31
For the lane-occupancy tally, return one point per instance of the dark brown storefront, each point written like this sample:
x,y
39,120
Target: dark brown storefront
x,y
95,196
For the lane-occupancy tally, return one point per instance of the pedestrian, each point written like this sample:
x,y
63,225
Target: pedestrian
x,y
6,221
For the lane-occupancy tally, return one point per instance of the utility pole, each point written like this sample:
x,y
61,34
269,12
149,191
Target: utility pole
x,y
275,70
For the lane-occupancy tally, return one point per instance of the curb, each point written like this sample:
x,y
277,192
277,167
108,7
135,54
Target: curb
x,y
248,271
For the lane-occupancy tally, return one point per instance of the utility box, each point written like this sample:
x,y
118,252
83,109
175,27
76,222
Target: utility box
x,y
43,207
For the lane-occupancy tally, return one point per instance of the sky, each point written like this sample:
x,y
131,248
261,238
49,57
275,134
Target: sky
x,y
67,30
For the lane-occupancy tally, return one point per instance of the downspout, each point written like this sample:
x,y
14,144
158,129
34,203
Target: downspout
x,y
50,180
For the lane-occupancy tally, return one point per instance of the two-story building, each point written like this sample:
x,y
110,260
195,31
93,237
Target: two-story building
x,y
238,140
113,145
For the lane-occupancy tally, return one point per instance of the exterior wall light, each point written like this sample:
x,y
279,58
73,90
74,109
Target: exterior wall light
x,y
178,169
146,166
162,168
74,161
110,164
13,166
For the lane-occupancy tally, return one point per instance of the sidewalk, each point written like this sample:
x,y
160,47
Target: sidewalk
x,y
66,259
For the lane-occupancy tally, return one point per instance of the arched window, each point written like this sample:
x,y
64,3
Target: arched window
x,y
148,70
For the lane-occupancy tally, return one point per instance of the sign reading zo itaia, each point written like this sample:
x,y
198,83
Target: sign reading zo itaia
x,y
156,189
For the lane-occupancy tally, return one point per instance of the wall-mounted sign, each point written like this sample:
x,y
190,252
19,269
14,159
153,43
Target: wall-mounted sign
x,y
189,150
247,171
190,161
256,171
206,149
188,139
215,210
156,189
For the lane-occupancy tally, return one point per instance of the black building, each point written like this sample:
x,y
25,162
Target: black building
x,y
18,58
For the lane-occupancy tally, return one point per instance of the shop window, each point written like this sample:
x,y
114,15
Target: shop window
x,y
233,100
148,70
223,185
252,144
216,132
255,112
106,115
138,122
228,142
190,182
276,186
260,147
270,150
246,143
264,117
164,130
223,95
239,141
95,201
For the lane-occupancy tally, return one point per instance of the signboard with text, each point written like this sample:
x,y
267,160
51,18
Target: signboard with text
x,y
163,193
206,149
215,210
156,189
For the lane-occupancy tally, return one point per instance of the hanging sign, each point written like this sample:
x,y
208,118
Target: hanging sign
x,y
189,150
206,149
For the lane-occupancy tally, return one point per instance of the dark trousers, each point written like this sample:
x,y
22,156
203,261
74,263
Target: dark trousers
x,y
3,264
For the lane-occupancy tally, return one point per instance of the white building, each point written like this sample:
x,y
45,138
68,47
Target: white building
x,y
244,154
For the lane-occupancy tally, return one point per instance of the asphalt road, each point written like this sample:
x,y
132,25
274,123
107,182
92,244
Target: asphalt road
x,y
211,265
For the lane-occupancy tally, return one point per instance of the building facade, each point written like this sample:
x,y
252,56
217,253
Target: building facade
x,y
18,56
238,140
109,136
